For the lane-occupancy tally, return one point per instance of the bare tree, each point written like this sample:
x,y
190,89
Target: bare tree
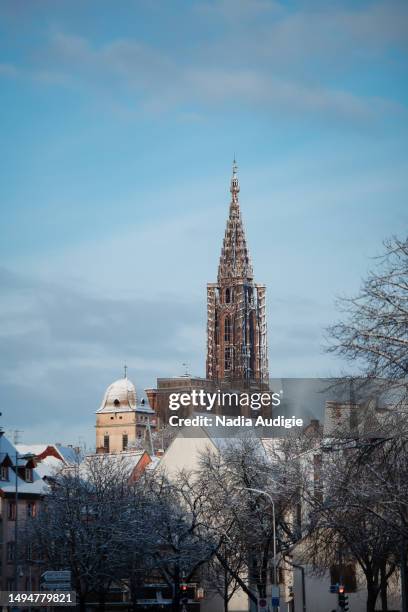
x,y
374,328
74,529
346,519
241,482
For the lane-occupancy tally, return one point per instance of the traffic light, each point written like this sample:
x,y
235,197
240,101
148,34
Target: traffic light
x,y
183,592
343,599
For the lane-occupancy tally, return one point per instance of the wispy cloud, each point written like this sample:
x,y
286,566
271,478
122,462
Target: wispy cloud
x,y
273,68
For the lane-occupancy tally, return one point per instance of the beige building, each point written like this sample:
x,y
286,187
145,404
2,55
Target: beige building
x,y
121,421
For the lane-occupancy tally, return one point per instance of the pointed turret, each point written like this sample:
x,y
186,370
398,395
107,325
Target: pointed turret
x,y
235,262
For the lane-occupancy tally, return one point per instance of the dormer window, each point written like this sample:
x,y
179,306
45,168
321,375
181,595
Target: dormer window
x,y
29,474
4,472
116,402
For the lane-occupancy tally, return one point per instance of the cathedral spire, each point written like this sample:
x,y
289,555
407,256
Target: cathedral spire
x,y
235,262
236,314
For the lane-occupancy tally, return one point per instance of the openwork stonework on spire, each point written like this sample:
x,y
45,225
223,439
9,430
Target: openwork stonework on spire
x,y
236,316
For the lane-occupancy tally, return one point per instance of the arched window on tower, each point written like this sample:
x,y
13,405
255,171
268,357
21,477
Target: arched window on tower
x,y
228,295
227,329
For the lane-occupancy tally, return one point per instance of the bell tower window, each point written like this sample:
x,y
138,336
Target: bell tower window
x,y
227,329
228,295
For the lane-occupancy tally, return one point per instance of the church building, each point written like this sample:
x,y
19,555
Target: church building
x,y
121,421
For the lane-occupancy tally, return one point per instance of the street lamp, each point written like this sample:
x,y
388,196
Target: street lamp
x,y
260,492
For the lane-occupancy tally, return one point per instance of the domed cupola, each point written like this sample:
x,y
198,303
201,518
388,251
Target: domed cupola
x,y
119,396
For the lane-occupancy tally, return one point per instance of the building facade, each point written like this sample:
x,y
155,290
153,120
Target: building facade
x,y
21,492
237,352
121,421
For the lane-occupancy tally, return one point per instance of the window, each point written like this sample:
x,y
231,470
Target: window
x,y
124,441
227,296
10,584
227,329
106,443
227,359
10,551
4,472
31,509
29,552
11,515
116,402
29,474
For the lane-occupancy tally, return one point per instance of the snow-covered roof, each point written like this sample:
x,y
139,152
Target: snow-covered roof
x,y
35,449
49,466
36,487
119,396
129,459
69,453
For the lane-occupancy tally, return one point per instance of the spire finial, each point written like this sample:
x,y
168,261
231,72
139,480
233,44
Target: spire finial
x,y
125,369
234,181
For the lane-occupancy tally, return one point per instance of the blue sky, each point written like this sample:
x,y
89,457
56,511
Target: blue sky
x,y
119,122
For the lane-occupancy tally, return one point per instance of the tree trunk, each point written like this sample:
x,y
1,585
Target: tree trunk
x,y
82,606
372,594
225,590
101,600
404,576
176,592
383,588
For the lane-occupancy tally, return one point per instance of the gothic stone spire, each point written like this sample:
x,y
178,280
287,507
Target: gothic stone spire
x,y
235,260
236,325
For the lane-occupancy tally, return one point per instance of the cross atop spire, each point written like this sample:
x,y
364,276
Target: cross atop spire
x,y
125,370
234,182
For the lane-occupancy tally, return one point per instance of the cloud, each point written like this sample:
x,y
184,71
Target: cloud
x,y
61,347
278,65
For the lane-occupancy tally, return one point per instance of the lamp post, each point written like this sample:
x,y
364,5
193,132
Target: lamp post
x,y
269,497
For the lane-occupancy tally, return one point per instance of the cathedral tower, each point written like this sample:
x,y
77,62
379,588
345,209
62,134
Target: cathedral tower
x,y
236,317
